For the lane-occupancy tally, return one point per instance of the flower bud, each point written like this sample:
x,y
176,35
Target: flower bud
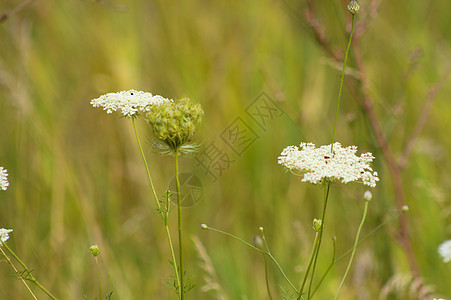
x,y
353,7
317,223
405,208
95,250
367,196
203,226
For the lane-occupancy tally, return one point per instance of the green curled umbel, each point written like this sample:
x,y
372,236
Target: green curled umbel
x,y
174,124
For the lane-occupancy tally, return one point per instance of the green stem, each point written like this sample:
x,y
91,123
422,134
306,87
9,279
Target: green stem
x,y
341,83
166,214
179,214
315,247
328,269
355,248
259,250
17,272
266,278
98,275
29,276
358,245
145,163
326,196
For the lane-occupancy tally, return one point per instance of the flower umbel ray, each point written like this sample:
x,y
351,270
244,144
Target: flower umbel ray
x,y
320,164
130,103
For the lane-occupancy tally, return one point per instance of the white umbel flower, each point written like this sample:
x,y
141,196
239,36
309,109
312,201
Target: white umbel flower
x,y
128,102
445,250
4,235
3,179
320,164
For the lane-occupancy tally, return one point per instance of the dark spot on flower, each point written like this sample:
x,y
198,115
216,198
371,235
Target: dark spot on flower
x,y
131,93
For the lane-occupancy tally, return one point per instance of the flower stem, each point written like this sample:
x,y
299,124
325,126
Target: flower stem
x,y
98,275
360,242
145,163
17,272
179,214
341,82
326,196
259,250
354,249
28,275
315,246
266,277
166,213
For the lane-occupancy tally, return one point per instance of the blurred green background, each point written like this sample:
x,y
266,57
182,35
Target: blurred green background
x,y
77,178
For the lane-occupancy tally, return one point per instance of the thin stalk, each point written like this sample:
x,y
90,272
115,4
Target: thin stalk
x,y
145,163
315,247
98,275
259,250
28,272
17,272
328,269
326,196
179,215
166,215
266,278
341,82
355,248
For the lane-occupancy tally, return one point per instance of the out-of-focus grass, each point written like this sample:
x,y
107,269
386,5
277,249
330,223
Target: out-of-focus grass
x,y
77,178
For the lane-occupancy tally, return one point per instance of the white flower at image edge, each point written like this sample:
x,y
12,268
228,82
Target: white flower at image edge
x,y
128,102
320,164
4,235
3,179
445,250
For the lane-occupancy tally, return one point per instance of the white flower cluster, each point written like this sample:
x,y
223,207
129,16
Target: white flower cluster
x,y
4,235
3,179
320,164
129,102
445,251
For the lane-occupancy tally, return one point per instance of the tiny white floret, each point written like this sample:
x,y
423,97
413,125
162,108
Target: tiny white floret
x,y
4,235
445,251
3,179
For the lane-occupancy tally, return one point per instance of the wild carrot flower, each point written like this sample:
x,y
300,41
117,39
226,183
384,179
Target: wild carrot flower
x,y
3,179
445,251
174,123
320,164
130,103
4,235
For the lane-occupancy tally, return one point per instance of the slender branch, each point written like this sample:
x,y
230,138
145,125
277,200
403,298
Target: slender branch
x,y
365,210
17,272
395,172
15,10
433,91
29,276
256,249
